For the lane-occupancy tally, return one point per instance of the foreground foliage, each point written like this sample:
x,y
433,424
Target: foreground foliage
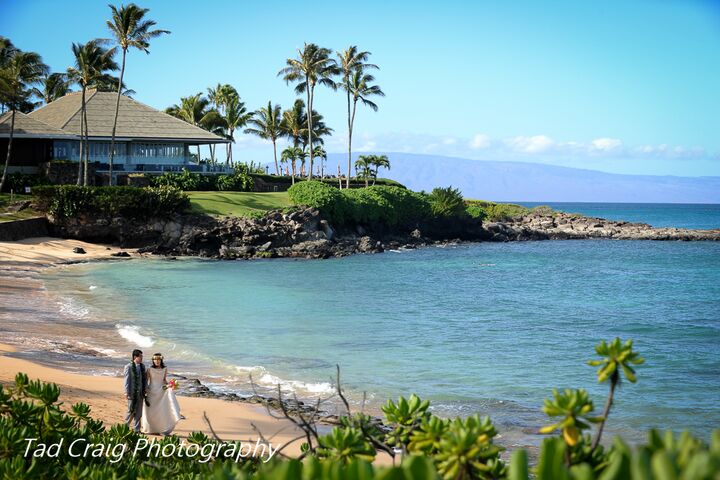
x,y
423,445
67,201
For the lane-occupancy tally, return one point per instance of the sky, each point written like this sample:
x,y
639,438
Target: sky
x,y
615,86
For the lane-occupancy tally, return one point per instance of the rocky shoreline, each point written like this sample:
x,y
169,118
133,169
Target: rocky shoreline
x,y
304,233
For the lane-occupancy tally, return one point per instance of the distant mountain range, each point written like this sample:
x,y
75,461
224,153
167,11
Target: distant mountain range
x,y
532,182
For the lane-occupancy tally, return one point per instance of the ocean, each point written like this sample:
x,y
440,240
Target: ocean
x,y
475,328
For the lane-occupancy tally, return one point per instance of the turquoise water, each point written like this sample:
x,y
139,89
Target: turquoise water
x,y
656,214
488,328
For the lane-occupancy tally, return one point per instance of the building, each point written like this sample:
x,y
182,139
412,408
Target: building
x,y
146,140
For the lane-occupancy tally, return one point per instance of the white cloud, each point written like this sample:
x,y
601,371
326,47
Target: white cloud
x,y
605,144
534,144
480,141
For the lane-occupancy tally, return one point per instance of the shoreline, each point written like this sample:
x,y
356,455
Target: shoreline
x,y
20,265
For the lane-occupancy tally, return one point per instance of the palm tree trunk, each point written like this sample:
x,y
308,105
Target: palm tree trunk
x,y
82,133
349,140
614,379
309,89
292,164
7,157
277,167
117,108
87,147
212,153
351,125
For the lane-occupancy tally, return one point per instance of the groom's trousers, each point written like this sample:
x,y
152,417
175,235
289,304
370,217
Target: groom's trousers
x,y
136,415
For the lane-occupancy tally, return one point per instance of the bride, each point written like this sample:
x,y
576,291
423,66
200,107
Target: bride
x,y
161,411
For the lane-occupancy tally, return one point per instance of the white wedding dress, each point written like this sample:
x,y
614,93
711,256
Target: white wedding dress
x,y
164,412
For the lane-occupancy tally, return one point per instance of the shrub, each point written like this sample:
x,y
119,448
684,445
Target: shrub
x,y
18,181
542,210
65,201
446,202
494,212
318,195
189,181
238,182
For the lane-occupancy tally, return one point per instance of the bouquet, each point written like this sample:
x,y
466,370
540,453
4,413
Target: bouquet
x,y
172,385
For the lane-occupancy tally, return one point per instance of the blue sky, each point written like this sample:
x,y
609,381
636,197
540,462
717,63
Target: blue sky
x,y
626,87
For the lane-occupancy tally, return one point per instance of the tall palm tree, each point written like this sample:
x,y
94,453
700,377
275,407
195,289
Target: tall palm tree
x,y
17,72
320,130
355,82
52,87
363,168
292,154
236,116
91,62
268,123
195,111
219,97
312,67
129,28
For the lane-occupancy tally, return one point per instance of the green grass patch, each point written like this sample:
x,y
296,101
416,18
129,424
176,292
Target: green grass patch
x,y
237,204
7,216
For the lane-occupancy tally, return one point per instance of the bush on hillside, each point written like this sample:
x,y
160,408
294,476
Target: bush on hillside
x,y
495,212
319,195
193,182
66,201
447,202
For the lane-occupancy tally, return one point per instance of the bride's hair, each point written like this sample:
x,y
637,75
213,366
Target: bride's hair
x,y
162,361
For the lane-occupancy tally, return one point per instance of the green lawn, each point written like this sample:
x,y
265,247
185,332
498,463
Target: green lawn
x,y
6,216
237,204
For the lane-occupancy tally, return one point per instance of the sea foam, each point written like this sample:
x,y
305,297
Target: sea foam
x,y
132,334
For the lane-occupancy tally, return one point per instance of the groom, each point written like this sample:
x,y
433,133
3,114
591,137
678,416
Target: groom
x,y
135,387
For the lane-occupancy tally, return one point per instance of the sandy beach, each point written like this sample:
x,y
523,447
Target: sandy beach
x,y
19,264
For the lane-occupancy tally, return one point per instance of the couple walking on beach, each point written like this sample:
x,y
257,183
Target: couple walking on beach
x,y
152,406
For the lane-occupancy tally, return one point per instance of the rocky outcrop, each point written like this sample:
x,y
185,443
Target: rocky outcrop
x,y
565,226
305,234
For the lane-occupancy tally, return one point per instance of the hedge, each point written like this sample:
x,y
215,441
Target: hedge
x,y
65,201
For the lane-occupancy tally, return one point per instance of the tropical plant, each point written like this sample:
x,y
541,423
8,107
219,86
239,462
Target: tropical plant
x,y
294,123
345,445
378,162
356,84
268,126
313,66
616,356
363,168
405,416
573,406
195,111
130,29
447,202
18,72
52,87
292,155
236,116
319,152
91,62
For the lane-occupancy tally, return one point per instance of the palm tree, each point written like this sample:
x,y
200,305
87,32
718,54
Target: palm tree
x,y
320,130
91,63
312,67
195,111
363,168
378,161
129,28
269,127
218,97
236,116
319,151
18,71
357,86
294,122
292,154
52,87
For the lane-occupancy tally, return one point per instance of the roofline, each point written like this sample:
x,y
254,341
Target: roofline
x,y
42,136
192,141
